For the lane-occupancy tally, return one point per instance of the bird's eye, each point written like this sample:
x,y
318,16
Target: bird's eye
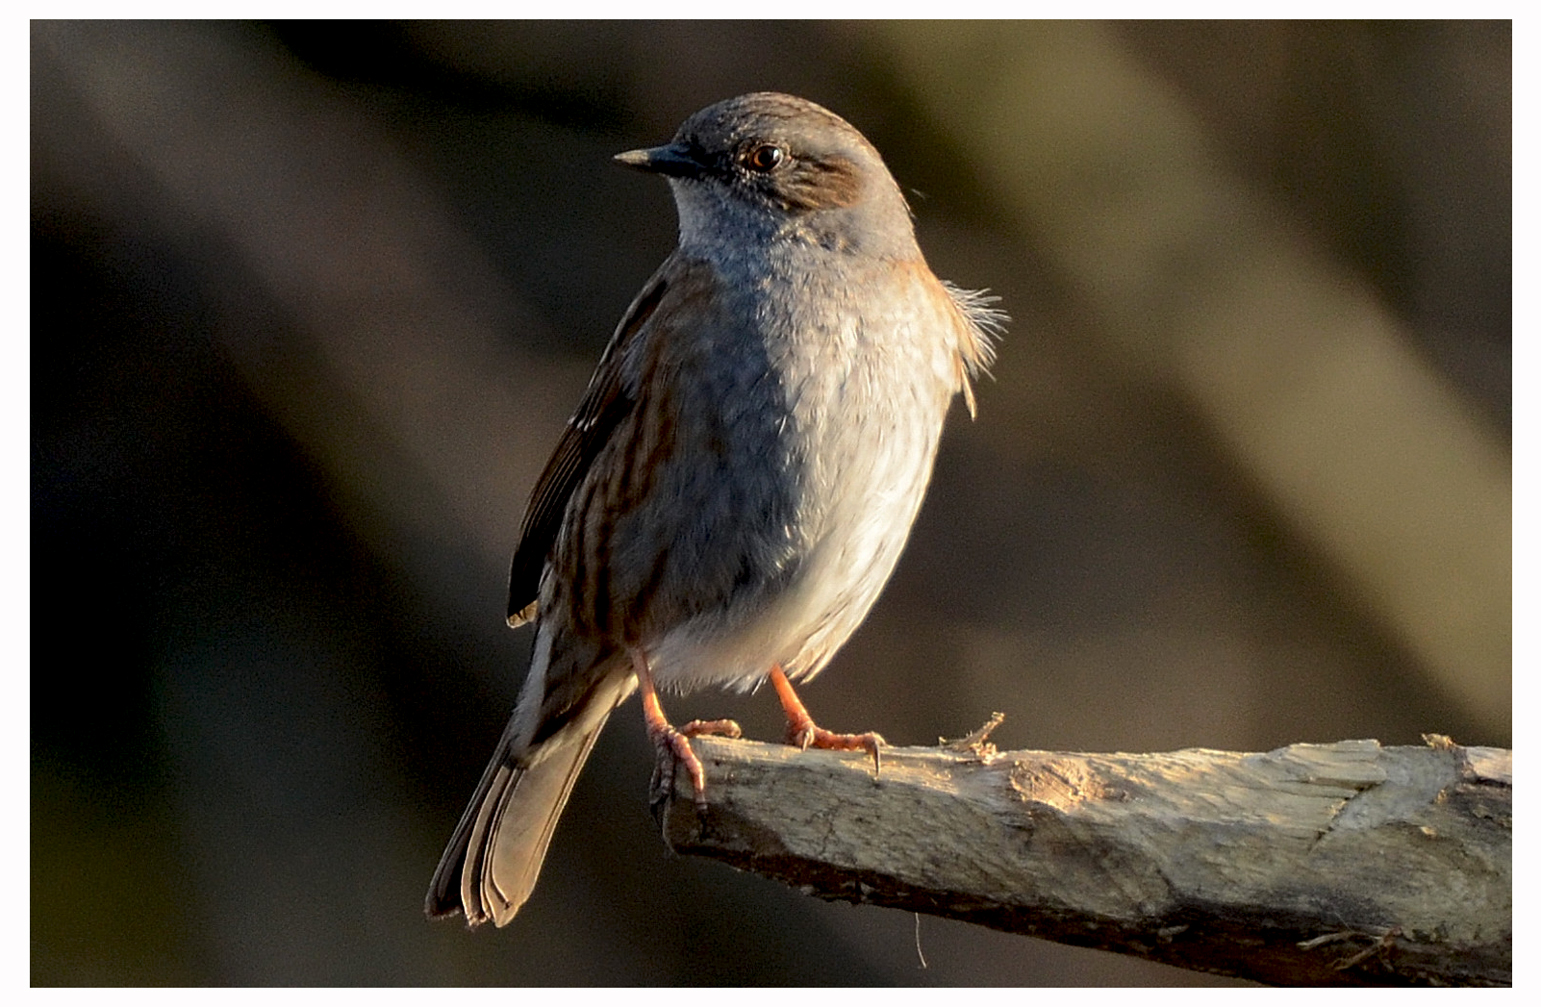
x,y
764,157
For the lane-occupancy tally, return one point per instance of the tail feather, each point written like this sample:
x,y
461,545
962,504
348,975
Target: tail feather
x,y
490,866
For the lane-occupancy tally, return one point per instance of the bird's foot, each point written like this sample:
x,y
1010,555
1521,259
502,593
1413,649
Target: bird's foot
x,y
805,734
673,750
673,743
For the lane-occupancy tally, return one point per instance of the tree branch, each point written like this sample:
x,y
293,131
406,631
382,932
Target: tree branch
x,y
1342,864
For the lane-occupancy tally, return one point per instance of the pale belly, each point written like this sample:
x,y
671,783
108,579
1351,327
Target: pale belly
x,y
856,535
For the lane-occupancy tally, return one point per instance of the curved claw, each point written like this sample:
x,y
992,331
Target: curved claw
x,y
673,745
673,749
805,734
811,735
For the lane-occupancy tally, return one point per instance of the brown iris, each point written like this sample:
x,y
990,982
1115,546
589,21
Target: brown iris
x,y
764,157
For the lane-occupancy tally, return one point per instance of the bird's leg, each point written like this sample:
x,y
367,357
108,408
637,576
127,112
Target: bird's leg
x,y
673,743
804,733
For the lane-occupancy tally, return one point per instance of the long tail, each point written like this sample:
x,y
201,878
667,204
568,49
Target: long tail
x,y
490,866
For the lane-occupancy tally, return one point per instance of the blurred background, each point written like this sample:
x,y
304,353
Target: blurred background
x,y
312,301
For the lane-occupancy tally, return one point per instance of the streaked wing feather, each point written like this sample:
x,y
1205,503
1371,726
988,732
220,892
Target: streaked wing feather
x,y
605,403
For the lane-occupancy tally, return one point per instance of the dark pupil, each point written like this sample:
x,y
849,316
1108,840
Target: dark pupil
x,y
765,158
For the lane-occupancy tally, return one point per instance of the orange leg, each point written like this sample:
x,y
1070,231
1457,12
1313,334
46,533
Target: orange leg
x,y
674,740
804,733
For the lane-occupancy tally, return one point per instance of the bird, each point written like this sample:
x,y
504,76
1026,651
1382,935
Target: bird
x,y
740,476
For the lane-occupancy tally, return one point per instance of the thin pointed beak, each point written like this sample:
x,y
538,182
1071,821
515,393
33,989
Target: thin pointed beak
x,y
675,160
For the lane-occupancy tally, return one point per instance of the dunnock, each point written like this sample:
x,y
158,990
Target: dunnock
x,y
741,475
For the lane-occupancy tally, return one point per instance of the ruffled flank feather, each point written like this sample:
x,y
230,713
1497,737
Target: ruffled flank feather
x,y
976,349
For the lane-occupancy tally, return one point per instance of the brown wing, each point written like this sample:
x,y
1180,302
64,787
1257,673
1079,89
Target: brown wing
x,y
604,405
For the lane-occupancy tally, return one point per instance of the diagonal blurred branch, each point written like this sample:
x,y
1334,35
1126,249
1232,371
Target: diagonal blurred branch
x,y
1301,373
398,384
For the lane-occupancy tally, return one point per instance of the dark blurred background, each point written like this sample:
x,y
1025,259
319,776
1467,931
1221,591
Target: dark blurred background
x,y
311,303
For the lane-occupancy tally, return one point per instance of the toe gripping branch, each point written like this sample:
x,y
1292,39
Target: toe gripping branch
x,y
673,743
804,733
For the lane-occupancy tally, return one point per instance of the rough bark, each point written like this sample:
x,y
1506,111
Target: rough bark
x,y
1343,864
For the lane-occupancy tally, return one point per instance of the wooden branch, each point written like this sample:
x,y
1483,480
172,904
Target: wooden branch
x,y
1342,864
